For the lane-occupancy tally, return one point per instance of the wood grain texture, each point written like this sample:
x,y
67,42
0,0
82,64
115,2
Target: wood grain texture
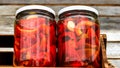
x,y
103,10
106,23
109,23
112,35
113,50
59,2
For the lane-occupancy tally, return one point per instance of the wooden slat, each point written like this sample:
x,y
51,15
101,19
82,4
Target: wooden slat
x,y
103,41
116,63
103,10
110,23
59,2
113,50
109,26
103,52
112,35
6,49
107,23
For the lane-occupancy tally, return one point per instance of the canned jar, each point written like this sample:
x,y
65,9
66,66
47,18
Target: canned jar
x,y
78,37
35,37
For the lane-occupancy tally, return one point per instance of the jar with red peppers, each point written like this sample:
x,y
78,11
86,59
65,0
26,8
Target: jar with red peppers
x,y
35,37
78,37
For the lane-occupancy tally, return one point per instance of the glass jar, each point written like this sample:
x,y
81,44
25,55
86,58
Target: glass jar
x,y
78,37
35,37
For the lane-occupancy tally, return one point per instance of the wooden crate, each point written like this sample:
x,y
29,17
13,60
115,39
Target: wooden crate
x,y
103,41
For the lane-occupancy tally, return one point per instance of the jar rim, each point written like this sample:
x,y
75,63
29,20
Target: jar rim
x,y
78,7
30,7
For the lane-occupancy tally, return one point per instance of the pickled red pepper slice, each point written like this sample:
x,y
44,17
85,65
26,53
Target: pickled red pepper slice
x,y
17,51
60,28
28,30
81,41
70,45
51,34
25,39
43,42
31,23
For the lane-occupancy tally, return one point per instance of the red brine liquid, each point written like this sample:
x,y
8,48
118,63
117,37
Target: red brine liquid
x,y
35,42
78,42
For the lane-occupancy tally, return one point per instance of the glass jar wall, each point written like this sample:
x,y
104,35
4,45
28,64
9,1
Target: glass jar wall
x,y
78,37
35,37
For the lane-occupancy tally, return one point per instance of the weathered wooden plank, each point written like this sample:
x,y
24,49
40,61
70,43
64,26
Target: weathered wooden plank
x,y
113,50
106,23
103,51
7,25
103,10
109,26
59,2
110,23
6,49
111,35
7,20
114,62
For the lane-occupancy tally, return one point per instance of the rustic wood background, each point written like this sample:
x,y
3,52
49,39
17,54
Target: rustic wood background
x,y
109,19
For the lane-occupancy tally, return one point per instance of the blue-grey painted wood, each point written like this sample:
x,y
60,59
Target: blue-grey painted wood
x,y
59,2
